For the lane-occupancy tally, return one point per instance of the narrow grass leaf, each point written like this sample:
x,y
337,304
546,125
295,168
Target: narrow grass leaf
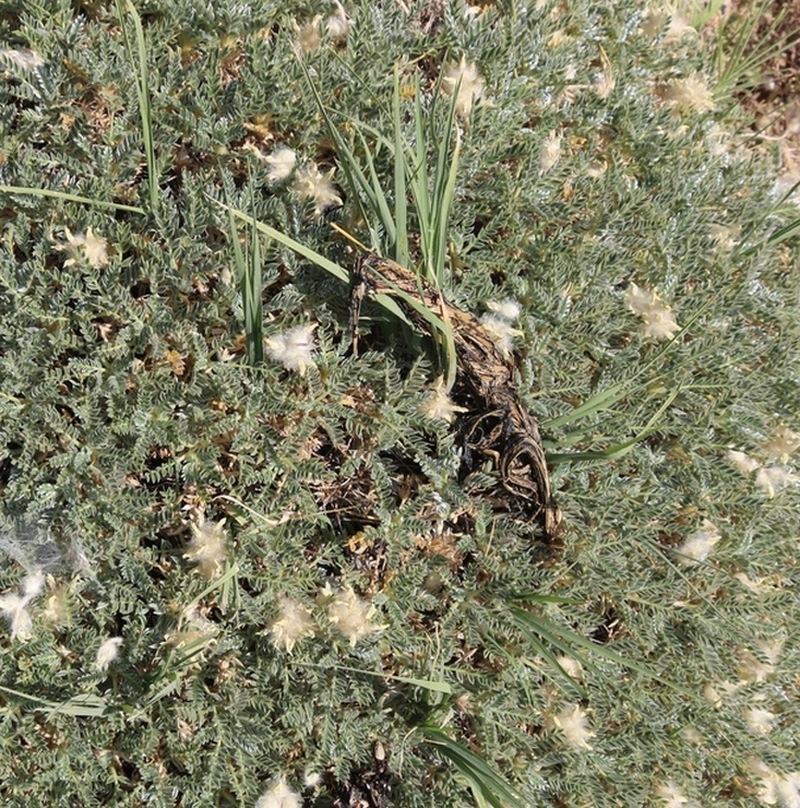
x,y
350,165
238,253
378,201
253,313
486,783
425,684
26,697
401,251
320,260
433,685
739,61
239,256
545,652
444,188
84,705
140,70
702,12
174,683
287,241
217,583
79,200
557,634
418,182
543,642
437,323
620,449
611,453
604,400
780,235
535,597
389,230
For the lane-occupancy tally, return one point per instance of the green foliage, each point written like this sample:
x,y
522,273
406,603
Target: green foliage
x,y
744,45
249,273
432,196
138,59
435,660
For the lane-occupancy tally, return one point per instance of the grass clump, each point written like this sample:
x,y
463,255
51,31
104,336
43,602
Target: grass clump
x,y
246,565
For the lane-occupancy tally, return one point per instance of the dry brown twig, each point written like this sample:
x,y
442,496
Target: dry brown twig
x,y
495,426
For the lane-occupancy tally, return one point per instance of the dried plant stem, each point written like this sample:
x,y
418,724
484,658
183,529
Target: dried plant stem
x,y
496,426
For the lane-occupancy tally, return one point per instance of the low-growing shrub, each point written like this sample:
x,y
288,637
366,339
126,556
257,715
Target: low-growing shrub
x,y
252,570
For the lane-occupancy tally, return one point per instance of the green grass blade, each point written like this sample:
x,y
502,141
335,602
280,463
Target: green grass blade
x,y
433,685
238,253
84,705
140,70
739,62
391,306
443,200
606,399
559,635
214,585
444,188
486,783
401,252
603,400
787,195
702,12
432,212
438,325
545,651
320,260
611,453
287,241
20,695
543,642
451,358
359,184
444,206
79,200
777,237
536,597
243,272
620,449
253,306
420,189
173,683
377,198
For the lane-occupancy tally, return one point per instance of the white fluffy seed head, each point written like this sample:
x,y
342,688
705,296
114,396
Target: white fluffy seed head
x,y
294,623
500,332
573,721
207,548
698,545
14,605
293,348
310,184
281,164
352,616
279,796
463,80
107,653
689,94
439,405
505,309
